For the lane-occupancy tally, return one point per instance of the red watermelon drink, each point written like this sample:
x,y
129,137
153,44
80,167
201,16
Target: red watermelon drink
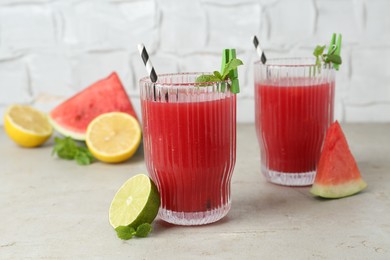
x,y
294,106
189,133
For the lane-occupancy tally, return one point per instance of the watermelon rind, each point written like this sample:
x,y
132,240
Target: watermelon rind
x,y
338,190
337,174
71,117
65,132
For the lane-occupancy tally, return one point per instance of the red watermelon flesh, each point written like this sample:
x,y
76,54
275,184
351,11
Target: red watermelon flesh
x,y
337,173
71,118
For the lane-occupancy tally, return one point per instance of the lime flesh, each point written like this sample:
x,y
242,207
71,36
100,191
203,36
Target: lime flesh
x,y
135,203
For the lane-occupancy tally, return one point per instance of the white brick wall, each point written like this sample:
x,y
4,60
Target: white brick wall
x,y
50,49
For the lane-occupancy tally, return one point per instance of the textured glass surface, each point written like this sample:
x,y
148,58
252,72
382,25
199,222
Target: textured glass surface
x,y
189,134
294,103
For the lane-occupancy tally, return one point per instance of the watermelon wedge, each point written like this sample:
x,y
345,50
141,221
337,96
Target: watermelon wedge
x,y
337,172
72,117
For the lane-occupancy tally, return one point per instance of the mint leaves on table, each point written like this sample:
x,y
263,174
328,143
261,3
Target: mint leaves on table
x,y
68,149
127,232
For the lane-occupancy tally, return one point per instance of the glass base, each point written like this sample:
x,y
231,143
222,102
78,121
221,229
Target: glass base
x,y
289,178
194,218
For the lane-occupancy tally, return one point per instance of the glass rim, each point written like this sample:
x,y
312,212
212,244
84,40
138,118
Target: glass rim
x,y
147,80
290,62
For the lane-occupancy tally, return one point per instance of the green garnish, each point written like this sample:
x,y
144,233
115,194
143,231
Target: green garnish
x,y
228,71
332,56
217,76
207,78
230,66
143,230
326,57
127,232
68,149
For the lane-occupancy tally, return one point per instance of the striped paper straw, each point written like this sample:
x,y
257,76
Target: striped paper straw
x,y
259,50
148,64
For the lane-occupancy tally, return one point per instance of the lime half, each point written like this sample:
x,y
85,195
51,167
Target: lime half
x,y
135,203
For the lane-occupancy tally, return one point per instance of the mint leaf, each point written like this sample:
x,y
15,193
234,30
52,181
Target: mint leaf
x,y
68,149
231,65
65,148
333,55
336,59
125,232
218,75
228,71
83,158
143,230
207,78
319,50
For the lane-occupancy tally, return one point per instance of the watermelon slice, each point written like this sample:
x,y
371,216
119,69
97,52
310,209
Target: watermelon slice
x,y
337,172
72,117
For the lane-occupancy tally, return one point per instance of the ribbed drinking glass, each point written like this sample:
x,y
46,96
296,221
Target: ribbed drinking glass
x,y
294,102
189,135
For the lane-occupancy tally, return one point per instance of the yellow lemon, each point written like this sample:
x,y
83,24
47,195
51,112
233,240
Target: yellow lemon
x,y
113,137
27,126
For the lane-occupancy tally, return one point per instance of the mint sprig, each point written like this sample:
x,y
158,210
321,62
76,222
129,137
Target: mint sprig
x,y
143,230
125,232
220,76
326,57
128,232
318,51
207,78
332,56
230,66
68,149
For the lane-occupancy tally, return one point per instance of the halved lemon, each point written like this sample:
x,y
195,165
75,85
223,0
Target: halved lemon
x,y
113,137
135,203
26,125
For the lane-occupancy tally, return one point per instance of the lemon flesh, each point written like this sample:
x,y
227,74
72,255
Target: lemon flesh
x,y
27,126
113,137
136,202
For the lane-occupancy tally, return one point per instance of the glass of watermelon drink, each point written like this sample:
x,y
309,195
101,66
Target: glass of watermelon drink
x,y
294,102
189,135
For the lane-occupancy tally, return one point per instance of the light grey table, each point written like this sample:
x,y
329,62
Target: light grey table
x,y
55,209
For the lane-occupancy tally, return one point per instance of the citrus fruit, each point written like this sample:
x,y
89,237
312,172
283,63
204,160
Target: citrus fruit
x,y
27,126
135,203
113,137
72,117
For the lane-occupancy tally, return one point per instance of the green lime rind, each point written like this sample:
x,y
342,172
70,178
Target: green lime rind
x,y
150,211
136,202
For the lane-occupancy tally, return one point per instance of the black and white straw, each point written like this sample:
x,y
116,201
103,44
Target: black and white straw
x,y
260,52
148,64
